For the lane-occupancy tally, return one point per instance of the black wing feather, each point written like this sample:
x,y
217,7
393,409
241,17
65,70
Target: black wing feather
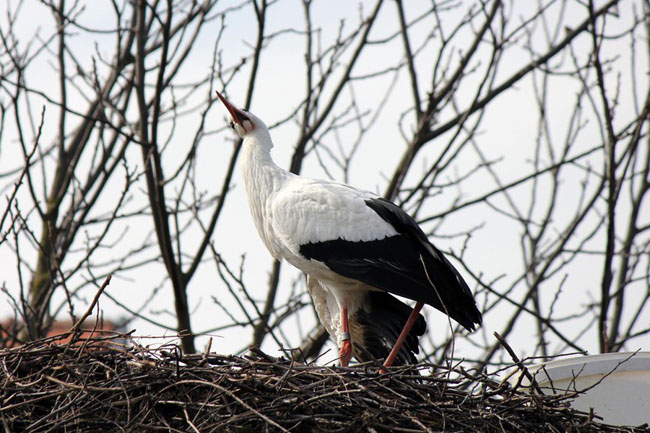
x,y
406,264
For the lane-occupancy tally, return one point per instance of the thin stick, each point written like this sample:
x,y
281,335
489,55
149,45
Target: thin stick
x,y
92,304
522,367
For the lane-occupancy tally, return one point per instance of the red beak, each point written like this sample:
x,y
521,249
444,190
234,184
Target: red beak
x,y
238,116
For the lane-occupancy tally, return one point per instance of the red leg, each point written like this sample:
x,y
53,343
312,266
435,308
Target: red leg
x,y
345,352
405,331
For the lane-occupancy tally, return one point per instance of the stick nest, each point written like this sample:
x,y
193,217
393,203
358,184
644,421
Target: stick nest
x,y
114,384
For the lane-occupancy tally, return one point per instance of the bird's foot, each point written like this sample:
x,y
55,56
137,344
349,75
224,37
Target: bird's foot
x,y
345,352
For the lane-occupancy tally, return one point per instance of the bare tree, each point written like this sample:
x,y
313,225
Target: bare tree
x,y
91,145
515,133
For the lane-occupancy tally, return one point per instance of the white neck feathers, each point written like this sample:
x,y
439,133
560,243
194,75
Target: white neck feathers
x,y
263,179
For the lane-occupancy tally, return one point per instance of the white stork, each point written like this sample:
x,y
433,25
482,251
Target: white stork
x,y
355,248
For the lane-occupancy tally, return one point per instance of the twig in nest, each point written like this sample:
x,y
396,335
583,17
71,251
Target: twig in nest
x,y
81,320
520,365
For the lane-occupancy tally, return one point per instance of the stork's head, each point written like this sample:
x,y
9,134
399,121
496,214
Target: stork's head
x,y
243,123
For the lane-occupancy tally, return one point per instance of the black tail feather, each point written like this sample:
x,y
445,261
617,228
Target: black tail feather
x,y
381,322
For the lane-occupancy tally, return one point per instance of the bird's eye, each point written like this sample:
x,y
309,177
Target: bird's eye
x,y
231,124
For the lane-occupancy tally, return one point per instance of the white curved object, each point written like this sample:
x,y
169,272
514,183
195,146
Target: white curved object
x,y
621,398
